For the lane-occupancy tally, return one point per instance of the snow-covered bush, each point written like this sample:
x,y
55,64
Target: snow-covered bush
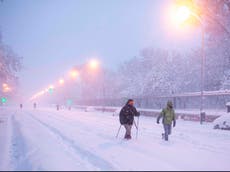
x,y
222,122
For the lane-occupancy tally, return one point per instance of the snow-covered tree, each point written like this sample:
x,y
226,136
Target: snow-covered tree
x,y
156,72
216,15
10,64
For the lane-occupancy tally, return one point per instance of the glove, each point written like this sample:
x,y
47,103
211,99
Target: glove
x,y
158,122
138,114
174,123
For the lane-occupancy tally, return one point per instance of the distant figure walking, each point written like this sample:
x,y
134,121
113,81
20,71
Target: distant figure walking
x,y
58,107
35,105
169,117
21,106
127,114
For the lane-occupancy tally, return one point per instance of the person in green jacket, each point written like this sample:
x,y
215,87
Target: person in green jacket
x,y
169,118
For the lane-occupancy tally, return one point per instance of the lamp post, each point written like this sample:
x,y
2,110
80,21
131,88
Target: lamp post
x,y
202,113
94,64
103,90
183,13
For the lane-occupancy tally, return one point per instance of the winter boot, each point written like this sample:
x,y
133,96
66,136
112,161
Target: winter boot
x,y
163,136
128,137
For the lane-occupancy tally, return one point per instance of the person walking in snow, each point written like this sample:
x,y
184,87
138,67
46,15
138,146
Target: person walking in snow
x,y
126,117
58,107
169,118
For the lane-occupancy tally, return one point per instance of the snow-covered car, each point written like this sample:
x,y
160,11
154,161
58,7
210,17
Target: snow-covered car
x,y
117,112
90,109
223,122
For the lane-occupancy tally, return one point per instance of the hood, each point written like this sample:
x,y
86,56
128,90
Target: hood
x,y
170,104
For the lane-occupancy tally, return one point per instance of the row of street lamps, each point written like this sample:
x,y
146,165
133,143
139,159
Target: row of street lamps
x,y
6,88
92,64
183,11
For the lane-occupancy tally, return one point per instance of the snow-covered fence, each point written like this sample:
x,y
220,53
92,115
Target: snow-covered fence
x,y
184,115
192,115
212,100
206,93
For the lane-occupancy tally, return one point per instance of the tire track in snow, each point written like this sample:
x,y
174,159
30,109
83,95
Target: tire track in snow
x,y
19,155
72,122
95,160
140,151
5,139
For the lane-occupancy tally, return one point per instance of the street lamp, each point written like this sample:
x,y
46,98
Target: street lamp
x,y
93,64
4,85
6,89
182,14
74,74
61,81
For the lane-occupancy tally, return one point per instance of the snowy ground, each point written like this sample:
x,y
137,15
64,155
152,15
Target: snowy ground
x,y
46,139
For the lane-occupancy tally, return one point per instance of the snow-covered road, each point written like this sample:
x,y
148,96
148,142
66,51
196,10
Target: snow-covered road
x,y
46,139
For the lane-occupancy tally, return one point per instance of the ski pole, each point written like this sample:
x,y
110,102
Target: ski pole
x,y
137,127
134,122
118,131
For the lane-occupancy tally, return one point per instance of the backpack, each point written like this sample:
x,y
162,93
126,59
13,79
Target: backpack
x,y
122,116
